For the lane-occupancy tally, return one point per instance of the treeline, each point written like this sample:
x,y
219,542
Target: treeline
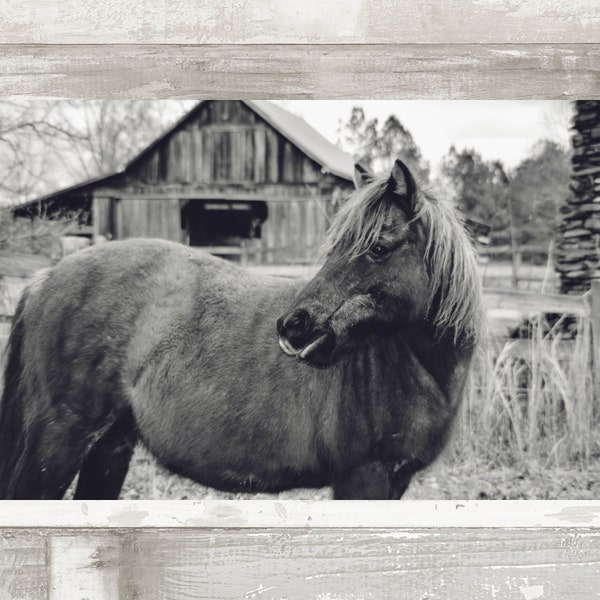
x,y
521,205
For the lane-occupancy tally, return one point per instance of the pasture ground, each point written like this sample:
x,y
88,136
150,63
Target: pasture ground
x,y
458,474
447,479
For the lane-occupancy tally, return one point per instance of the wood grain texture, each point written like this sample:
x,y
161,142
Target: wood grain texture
x,y
304,564
310,21
290,71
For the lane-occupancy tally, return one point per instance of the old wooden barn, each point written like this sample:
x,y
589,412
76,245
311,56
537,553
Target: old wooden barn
x,y
243,178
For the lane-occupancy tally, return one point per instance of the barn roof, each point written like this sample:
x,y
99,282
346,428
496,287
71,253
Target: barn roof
x,y
292,127
308,139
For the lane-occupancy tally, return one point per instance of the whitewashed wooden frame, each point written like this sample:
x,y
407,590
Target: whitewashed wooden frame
x,y
471,49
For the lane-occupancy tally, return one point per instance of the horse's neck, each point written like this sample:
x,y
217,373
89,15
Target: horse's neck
x,y
446,361
418,355
407,387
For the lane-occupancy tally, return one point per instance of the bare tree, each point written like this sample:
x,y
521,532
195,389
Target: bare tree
x,y
377,146
556,119
46,145
108,133
28,129
49,144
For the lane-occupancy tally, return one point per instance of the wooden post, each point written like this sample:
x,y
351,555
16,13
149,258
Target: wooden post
x,y
595,319
516,263
592,302
243,253
95,219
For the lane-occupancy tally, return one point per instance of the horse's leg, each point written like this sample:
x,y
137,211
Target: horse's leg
x,y
370,481
49,459
105,467
401,476
374,481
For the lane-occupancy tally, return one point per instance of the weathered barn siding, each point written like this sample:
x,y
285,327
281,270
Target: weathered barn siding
x,y
138,217
226,142
294,229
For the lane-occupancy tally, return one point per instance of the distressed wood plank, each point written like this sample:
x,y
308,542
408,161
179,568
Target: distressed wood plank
x,y
83,565
23,565
291,71
305,564
281,21
299,514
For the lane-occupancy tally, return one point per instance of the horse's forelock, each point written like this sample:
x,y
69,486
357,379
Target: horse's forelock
x,y
360,221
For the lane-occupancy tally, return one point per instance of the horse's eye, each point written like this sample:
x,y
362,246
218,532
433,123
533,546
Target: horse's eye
x,y
379,252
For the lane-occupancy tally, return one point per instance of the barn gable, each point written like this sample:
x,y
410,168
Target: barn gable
x,y
240,140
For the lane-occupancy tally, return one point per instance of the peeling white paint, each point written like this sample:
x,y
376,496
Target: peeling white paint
x,y
405,535
404,520
491,590
584,12
531,592
512,567
259,590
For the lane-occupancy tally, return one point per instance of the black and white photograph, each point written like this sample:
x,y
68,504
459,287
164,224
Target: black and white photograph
x,y
299,301
318,299
241,310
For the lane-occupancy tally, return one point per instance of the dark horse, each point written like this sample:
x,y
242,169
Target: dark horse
x,y
151,340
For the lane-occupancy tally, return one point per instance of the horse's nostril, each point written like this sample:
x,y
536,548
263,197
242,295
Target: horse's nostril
x,y
296,326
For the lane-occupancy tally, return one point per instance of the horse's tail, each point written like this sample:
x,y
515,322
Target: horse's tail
x,y
13,440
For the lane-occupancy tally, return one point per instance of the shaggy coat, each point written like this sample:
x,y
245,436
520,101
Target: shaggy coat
x,y
245,382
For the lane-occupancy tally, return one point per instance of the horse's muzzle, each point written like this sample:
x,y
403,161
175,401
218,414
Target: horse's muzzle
x,y
300,339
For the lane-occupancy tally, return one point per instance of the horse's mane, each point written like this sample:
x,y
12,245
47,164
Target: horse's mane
x,y
455,285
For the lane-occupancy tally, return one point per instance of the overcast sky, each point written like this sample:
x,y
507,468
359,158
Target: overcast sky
x,y
498,129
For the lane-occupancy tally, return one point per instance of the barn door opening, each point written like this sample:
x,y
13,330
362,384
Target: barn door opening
x,y
222,223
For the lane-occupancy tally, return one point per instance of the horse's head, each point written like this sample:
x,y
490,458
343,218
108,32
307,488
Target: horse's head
x,y
374,278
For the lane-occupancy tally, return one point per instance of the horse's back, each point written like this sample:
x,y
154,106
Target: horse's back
x,y
86,318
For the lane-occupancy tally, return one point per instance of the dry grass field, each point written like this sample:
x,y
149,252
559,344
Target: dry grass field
x,y
529,426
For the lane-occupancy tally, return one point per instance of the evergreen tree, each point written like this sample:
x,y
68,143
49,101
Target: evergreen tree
x,y
377,147
538,188
478,187
360,137
395,141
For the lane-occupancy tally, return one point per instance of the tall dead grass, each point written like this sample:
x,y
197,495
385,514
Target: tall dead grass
x,y
532,403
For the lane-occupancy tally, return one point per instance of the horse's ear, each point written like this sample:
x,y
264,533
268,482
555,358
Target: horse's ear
x,y
361,176
404,187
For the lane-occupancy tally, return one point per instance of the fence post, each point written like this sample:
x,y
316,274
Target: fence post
x,y
243,253
595,312
593,304
516,264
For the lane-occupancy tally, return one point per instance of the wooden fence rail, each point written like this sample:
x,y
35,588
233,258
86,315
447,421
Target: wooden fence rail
x,y
535,302
495,298
326,550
